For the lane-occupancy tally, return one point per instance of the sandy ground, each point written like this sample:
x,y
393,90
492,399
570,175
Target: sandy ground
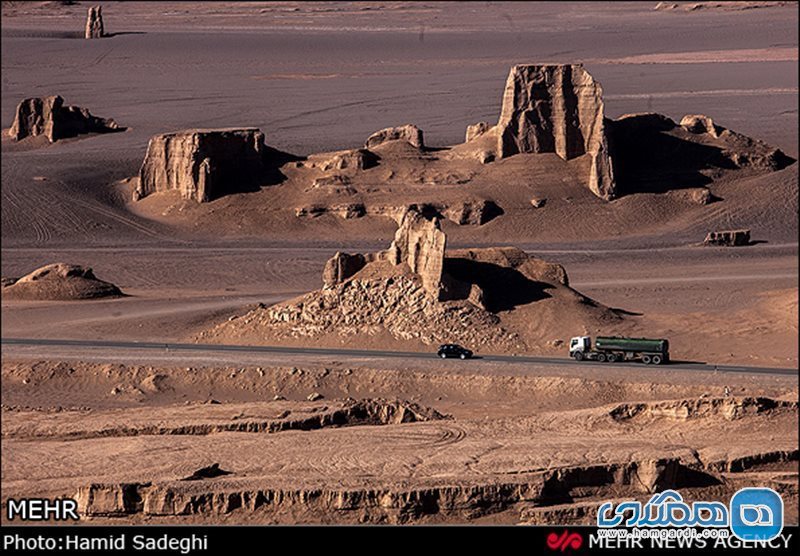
x,y
319,77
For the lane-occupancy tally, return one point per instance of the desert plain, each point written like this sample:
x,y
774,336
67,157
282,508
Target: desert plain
x,y
259,345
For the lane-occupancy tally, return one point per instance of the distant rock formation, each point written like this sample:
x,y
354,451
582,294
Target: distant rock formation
x,y
409,133
476,130
420,243
59,281
557,109
476,212
49,117
94,23
355,159
340,267
728,238
202,164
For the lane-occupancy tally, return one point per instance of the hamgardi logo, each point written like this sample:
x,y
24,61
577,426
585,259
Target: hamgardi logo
x,y
756,514
753,514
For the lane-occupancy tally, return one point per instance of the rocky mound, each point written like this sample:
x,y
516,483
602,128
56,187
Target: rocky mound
x,y
409,133
59,281
49,117
499,299
203,164
652,153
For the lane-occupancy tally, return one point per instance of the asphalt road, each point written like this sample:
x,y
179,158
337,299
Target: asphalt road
x,y
361,354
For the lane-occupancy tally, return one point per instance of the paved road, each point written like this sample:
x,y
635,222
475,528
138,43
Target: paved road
x,y
361,354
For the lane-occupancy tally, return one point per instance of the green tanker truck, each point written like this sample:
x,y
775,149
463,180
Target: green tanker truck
x,y
613,349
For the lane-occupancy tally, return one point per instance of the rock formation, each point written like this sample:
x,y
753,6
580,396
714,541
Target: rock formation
x,y
557,109
49,117
59,281
420,243
340,267
415,292
203,164
355,159
652,153
409,133
728,238
476,130
94,23
698,123
475,212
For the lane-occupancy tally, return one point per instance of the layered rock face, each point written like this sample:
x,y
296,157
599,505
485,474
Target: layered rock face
x,y
420,243
557,109
94,23
409,133
202,164
49,117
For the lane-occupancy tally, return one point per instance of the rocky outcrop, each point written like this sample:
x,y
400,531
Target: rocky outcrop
x,y
49,117
409,133
728,238
449,501
557,109
698,123
203,164
60,281
472,213
476,130
355,159
340,267
728,409
94,23
420,243
653,153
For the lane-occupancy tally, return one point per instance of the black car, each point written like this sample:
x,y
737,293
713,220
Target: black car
x,y
453,350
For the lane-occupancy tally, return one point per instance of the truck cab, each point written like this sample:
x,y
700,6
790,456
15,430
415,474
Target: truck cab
x,y
582,344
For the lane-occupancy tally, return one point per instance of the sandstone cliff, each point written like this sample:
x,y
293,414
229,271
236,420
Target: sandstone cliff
x,y
49,117
202,164
557,109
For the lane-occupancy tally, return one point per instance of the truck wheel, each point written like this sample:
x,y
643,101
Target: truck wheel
x,y
646,359
601,357
578,355
611,358
656,360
